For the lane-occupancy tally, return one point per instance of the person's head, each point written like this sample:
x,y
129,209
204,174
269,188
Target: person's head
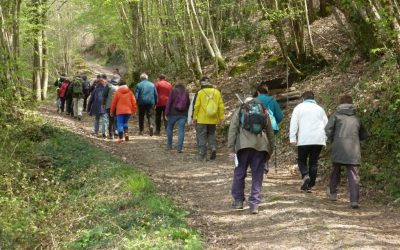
x,y
84,77
144,76
104,76
63,75
204,81
308,95
262,88
98,77
180,84
122,82
116,71
345,99
162,77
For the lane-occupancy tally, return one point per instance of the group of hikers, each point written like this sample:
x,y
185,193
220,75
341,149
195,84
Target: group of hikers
x,y
252,131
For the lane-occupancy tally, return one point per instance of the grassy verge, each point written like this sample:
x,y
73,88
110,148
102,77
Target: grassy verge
x,y
57,191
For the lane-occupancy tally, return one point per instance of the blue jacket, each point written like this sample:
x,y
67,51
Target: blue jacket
x,y
269,102
95,101
146,93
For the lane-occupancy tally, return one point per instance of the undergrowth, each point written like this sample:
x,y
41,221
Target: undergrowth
x,y
57,191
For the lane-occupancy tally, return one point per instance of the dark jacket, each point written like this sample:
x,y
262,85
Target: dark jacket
x,y
94,106
345,131
170,108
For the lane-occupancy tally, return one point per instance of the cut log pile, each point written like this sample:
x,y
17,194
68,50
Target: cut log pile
x,y
284,95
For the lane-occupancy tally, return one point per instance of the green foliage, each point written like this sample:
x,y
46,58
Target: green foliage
x,y
381,115
57,191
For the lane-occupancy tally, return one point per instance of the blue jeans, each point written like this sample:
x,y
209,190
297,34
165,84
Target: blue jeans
x,y
181,120
122,124
103,123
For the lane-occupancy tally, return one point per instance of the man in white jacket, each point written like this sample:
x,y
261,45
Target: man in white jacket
x,y
307,132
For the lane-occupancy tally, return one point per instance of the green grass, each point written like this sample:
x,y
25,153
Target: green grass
x,y
58,191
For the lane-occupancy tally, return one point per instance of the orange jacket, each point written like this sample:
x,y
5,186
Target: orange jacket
x,y
124,102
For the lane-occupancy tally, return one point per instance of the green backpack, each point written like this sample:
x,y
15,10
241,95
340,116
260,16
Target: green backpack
x,y
77,87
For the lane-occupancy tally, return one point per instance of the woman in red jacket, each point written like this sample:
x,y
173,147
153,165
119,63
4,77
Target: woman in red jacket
x,y
123,105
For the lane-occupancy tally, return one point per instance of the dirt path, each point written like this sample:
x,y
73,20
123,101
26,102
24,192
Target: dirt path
x,y
288,218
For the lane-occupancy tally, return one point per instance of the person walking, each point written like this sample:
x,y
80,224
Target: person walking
x,y
251,139
69,100
176,111
86,91
96,109
307,132
108,95
269,102
123,106
208,112
63,93
164,89
146,96
78,96
345,131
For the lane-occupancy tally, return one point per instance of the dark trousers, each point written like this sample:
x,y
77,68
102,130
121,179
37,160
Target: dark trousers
x,y
160,112
112,124
308,156
62,106
256,160
145,110
70,109
85,101
353,178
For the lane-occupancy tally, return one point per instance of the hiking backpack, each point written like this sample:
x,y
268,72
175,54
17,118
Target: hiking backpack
x,y
77,87
181,101
252,117
211,108
274,124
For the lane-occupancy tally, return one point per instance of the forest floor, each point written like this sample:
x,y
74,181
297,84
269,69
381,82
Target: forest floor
x,y
288,218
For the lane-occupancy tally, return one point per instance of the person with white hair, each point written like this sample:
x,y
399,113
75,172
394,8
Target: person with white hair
x,y
146,96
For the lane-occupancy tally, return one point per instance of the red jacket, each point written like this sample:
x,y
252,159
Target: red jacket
x,y
124,102
64,88
164,89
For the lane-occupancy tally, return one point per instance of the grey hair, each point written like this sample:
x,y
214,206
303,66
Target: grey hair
x,y
144,76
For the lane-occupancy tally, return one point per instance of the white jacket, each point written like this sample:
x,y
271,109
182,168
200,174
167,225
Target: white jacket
x,y
307,124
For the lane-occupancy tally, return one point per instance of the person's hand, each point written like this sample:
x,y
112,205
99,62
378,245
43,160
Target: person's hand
x,y
194,121
232,156
166,118
112,114
222,123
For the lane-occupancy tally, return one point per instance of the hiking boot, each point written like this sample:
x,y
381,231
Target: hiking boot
x,y
168,147
306,181
253,209
79,118
237,204
332,197
354,205
179,150
104,136
309,190
213,155
157,133
151,130
140,133
201,158
120,141
126,137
